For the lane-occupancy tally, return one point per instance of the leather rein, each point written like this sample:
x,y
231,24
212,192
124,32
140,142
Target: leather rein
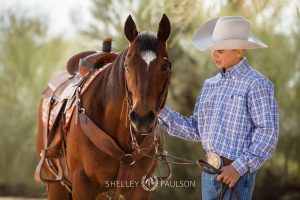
x,y
162,155
151,141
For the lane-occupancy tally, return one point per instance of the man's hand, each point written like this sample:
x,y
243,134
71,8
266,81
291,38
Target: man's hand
x,y
229,175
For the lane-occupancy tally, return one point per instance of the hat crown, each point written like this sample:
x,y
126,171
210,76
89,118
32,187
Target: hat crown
x,y
231,27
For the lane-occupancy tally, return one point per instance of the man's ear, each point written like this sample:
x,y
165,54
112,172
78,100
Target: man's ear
x,y
240,53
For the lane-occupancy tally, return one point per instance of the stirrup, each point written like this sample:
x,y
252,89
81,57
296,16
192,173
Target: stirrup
x,y
38,171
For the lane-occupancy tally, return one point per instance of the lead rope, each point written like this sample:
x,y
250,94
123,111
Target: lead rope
x,y
162,156
203,165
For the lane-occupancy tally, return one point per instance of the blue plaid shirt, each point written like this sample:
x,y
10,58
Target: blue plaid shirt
x,y
236,116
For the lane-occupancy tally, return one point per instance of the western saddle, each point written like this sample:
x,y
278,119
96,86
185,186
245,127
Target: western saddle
x,y
58,102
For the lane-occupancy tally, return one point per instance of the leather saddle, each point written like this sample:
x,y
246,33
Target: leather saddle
x,y
62,88
58,97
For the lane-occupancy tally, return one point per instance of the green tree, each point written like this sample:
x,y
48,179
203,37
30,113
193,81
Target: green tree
x,y
28,58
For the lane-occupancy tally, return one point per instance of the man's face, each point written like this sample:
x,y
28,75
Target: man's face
x,y
227,58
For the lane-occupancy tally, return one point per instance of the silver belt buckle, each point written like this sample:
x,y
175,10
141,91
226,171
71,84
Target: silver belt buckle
x,y
214,160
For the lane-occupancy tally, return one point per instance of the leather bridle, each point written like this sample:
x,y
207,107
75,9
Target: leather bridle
x,y
161,99
160,103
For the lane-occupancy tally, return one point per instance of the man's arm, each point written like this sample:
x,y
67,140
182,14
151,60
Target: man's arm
x,y
179,125
263,110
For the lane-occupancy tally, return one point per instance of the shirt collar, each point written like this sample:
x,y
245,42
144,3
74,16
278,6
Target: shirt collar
x,y
235,71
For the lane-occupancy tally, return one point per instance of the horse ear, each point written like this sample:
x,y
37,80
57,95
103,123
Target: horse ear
x,y
164,28
130,29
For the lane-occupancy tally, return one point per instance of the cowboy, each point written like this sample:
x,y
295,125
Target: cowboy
x,y
236,114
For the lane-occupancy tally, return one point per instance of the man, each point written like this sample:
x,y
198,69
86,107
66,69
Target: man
x,y
236,115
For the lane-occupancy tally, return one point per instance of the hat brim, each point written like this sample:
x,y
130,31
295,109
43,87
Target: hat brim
x,y
202,39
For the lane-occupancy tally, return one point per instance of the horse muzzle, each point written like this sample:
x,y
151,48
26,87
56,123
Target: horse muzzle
x,y
143,123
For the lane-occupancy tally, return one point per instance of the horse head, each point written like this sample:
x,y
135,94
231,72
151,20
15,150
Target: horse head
x,y
147,73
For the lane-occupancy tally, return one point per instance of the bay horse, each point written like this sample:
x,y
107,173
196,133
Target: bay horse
x,y
115,116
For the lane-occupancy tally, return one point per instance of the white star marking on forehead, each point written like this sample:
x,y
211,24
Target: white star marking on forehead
x,y
148,56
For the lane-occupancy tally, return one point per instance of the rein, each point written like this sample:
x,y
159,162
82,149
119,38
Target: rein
x,y
109,146
201,164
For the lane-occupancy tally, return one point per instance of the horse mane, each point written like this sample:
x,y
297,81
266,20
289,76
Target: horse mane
x,y
117,73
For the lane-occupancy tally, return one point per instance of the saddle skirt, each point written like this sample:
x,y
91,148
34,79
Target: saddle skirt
x,y
59,97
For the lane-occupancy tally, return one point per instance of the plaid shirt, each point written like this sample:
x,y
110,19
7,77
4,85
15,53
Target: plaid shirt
x,y
236,116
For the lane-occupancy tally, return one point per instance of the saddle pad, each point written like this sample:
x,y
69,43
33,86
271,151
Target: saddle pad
x,y
54,110
56,106
69,112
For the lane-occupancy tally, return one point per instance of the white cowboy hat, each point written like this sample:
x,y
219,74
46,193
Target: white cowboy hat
x,y
228,32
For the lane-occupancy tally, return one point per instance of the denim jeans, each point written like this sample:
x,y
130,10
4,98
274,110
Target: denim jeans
x,y
211,187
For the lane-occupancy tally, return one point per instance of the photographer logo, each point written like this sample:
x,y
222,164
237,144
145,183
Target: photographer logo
x,y
150,183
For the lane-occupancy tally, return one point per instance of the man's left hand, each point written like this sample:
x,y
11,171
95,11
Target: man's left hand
x,y
229,175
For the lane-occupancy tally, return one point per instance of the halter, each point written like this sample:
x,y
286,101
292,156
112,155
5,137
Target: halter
x,y
161,101
159,106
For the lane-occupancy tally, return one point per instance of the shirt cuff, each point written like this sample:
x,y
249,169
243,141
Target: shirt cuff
x,y
164,116
240,166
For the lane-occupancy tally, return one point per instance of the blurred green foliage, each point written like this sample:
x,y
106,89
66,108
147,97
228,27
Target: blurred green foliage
x,y
29,58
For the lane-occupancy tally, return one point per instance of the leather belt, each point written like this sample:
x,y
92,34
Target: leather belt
x,y
226,161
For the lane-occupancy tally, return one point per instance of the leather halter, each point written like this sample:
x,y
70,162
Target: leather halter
x,y
161,100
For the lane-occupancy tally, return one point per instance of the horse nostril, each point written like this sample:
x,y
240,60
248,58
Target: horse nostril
x,y
135,117
132,116
150,116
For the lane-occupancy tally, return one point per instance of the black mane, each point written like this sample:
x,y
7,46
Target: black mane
x,y
147,41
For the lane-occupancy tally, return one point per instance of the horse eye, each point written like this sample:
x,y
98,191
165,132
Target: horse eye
x,y
166,66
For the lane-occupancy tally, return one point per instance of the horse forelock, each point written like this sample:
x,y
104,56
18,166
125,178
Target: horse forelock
x,y
147,41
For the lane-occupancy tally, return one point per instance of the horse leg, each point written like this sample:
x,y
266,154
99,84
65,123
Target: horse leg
x,y
57,192
82,187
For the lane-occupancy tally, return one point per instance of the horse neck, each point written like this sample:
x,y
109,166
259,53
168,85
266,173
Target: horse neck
x,y
116,77
112,116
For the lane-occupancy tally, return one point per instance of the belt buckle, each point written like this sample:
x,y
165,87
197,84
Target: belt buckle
x,y
214,160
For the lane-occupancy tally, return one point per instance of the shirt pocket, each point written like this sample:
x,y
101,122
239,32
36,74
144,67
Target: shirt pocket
x,y
236,103
237,97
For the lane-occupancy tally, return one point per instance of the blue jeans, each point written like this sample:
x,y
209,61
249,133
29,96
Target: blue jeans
x,y
211,187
